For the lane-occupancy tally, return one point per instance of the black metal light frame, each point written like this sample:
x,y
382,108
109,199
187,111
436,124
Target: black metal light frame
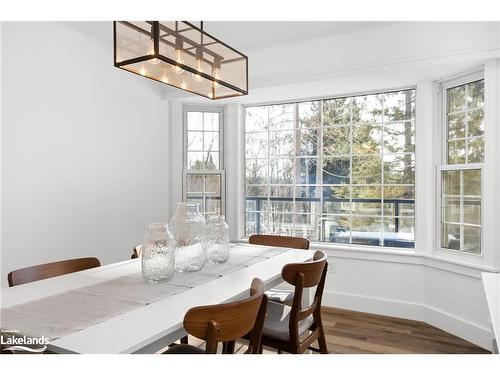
x,y
156,26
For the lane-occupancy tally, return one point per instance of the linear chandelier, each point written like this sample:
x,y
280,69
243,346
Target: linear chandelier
x,y
182,55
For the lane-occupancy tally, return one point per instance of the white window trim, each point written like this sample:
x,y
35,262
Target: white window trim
x,y
316,244
441,119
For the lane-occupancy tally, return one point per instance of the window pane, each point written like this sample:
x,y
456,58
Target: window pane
x,y
281,117
256,119
281,171
256,145
399,169
309,114
337,229
366,169
336,170
475,123
450,236
195,141
475,94
336,141
461,210
367,139
281,143
336,111
308,199
307,171
456,126
399,137
256,171
195,121
307,226
211,141
456,99
472,239
476,150
367,109
399,106
367,200
336,200
195,160
366,230
211,121
308,145
456,151
281,198
399,232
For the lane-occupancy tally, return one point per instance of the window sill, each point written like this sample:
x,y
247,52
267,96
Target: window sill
x,y
399,255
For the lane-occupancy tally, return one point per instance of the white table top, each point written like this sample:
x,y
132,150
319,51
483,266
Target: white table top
x,y
491,282
134,330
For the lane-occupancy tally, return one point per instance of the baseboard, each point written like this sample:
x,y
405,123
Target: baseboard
x,y
466,330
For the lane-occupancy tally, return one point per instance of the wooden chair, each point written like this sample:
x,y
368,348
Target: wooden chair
x,y
47,270
225,323
136,252
277,294
279,241
294,328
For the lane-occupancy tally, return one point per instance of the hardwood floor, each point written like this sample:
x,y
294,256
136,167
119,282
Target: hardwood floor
x,y
350,332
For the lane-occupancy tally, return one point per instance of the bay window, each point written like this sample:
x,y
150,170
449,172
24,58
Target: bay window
x,y
336,170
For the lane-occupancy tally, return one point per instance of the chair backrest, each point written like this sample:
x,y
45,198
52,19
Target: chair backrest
x,y
44,271
136,252
229,321
305,275
279,241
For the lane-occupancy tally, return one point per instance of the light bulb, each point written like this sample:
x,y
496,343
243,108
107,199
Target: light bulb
x,y
164,77
216,73
142,71
199,65
183,84
179,59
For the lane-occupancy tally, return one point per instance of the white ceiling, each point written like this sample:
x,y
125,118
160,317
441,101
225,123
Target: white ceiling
x,y
251,35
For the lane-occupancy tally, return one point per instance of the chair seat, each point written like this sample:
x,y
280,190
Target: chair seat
x,y
277,322
184,349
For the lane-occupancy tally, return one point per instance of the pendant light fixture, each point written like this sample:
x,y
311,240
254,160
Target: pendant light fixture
x,y
182,55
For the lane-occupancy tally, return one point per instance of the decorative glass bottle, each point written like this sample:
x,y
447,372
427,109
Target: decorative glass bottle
x,y
217,239
188,227
158,254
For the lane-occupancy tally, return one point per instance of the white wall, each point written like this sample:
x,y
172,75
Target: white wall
x,y
85,155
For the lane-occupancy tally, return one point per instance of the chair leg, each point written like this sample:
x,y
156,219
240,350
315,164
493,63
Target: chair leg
x,y
322,341
279,351
184,340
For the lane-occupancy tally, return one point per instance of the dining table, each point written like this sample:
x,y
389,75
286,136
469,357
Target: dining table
x,y
111,309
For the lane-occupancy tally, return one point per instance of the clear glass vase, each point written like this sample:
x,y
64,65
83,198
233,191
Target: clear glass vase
x,y
188,227
158,254
217,239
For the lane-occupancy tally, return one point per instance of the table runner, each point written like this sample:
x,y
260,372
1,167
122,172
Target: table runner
x,y
61,314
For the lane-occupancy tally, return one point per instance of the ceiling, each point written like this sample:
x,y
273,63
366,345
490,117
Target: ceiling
x,y
250,35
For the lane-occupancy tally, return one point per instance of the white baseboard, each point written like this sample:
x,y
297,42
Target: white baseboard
x,y
466,330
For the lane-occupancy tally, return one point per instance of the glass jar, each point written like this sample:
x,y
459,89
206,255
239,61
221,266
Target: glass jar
x,y
158,254
217,239
188,227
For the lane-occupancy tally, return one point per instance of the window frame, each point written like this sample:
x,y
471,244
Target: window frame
x,y
443,165
204,172
296,103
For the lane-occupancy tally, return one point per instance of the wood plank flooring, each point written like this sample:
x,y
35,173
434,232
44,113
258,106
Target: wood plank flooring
x,y
350,332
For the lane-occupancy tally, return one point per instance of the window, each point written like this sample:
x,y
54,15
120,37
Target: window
x,y
335,170
203,181
461,177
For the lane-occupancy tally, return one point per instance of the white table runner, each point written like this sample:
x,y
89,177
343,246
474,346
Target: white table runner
x,y
61,314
